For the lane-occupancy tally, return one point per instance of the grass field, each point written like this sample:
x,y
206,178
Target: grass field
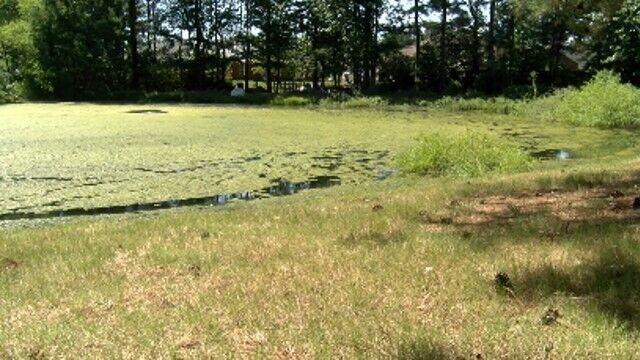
x,y
400,268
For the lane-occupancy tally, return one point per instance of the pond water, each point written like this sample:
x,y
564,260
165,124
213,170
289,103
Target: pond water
x,y
553,154
146,111
140,188
280,187
80,159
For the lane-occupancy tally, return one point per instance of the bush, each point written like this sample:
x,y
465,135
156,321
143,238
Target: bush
x,y
493,105
344,101
291,101
468,155
364,102
10,95
602,102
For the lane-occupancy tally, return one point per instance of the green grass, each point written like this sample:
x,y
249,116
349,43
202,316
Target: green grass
x,y
468,155
291,101
490,105
402,268
325,275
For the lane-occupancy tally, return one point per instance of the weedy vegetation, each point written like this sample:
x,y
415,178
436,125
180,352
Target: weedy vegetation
x,y
602,102
463,155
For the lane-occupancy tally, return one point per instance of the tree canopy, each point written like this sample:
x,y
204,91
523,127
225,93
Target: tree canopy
x,y
95,48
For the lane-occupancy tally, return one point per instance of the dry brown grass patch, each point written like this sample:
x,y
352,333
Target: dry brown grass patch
x,y
570,206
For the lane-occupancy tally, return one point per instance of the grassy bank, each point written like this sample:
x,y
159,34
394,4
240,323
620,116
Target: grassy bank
x,y
401,269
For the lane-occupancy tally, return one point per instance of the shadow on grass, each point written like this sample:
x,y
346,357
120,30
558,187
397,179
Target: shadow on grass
x,y
585,207
543,227
607,282
610,285
607,179
423,349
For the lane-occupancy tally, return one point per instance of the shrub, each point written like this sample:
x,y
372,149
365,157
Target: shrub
x,y
493,105
602,102
334,100
291,101
364,102
468,155
344,101
10,90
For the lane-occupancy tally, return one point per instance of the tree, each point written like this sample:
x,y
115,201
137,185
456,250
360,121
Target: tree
x,y
446,8
417,33
84,48
475,12
617,44
80,46
246,39
133,43
274,20
491,48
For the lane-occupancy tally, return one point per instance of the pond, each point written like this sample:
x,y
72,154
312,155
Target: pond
x,y
80,159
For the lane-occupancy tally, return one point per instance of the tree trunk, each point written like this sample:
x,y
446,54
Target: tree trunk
x,y
315,75
356,55
268,50
199,50
149,26
475,43
557,41
368,34
133,44
155,33
373,54
223,59
443,45
247,44
417,32
491,48
511,49
267,70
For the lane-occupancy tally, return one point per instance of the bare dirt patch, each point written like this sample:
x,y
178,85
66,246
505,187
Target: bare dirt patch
x,y
566,206
7,264
577,205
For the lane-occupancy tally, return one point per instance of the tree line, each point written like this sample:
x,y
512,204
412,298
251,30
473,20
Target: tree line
x,y
94,48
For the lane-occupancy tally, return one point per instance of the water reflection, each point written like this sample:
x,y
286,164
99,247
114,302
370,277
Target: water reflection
x,y
281,187
146,111
553,154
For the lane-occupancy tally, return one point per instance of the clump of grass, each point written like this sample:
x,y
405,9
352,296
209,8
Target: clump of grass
x,y
341,101
355,102
364,102
497,105
603,102
291,101
469,155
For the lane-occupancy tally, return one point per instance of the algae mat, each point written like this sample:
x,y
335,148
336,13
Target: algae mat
x,y
70,155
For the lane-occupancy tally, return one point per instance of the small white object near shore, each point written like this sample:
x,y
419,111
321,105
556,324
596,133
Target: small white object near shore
x,y
237,91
